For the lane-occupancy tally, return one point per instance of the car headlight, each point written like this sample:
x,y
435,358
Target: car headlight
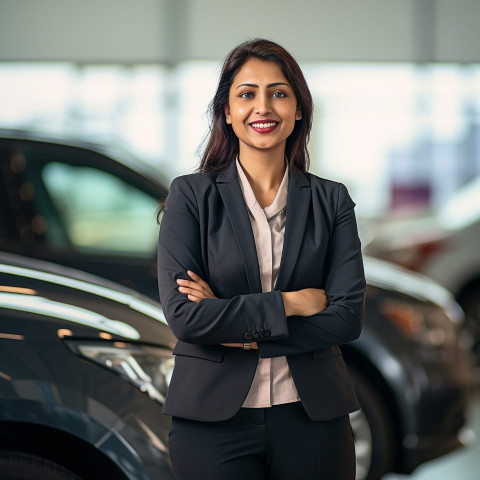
x,y
148,368
426,324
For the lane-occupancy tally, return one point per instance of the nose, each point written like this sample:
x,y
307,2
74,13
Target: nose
x,y
263,104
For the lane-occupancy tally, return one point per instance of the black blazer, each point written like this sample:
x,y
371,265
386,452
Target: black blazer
x,y
205,228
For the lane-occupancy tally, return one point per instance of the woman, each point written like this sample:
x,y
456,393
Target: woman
x,y
260,278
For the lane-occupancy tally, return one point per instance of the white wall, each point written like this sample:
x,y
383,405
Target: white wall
x,y
82,30
310,29
134,31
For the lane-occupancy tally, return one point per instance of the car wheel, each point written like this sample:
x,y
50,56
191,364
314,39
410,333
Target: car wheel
x,y
20,466
372,431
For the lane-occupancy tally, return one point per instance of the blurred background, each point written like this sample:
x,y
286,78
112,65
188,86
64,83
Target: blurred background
x,y
396,86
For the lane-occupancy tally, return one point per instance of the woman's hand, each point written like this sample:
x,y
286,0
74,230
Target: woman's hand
x,y
196,289
304,303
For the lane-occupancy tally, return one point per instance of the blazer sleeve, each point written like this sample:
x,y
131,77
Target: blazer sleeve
x,y
341,322
211,321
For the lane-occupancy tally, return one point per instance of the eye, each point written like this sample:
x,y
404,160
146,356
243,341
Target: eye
x,y
279,94
246,95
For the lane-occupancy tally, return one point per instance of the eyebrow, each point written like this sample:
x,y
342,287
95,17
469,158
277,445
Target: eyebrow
x,y
270,85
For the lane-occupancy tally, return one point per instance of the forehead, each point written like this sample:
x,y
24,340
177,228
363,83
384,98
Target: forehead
x,y
259,72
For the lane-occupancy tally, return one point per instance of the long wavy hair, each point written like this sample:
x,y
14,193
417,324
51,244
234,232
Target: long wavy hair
x,y
222,145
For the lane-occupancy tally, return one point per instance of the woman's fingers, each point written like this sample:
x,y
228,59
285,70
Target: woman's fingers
x,y
190,291
193,298
199,294
200,282
197,279
196,289
193,295
187,286
192,285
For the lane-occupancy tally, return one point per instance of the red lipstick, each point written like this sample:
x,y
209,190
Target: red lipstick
x,y
264,126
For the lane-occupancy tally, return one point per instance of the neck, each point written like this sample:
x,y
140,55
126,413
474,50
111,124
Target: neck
x,y
264,172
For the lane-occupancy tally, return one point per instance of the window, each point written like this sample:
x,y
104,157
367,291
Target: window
x,y
101,212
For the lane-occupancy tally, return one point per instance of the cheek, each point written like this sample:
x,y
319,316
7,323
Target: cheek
x,y
289,117
239,112
291,111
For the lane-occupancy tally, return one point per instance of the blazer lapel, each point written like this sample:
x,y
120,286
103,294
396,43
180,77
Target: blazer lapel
x,y
298,203
229,187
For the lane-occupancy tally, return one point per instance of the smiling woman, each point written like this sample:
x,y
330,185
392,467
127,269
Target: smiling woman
x,y
264,71
262,108
261,278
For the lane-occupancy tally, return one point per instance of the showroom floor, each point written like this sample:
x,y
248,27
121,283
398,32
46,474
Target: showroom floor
x,y
463,464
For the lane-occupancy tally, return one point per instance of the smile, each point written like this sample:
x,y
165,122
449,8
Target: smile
x,y
264,127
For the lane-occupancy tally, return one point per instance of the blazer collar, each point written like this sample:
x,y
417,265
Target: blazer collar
x,y
229,187
228,173
298,202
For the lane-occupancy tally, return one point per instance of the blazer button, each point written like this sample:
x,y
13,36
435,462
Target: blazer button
x,y
264,332
247,335
255,334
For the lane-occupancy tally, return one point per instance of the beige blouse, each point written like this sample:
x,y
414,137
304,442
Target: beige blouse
x,y
273,383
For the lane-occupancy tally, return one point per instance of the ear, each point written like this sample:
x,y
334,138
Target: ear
x,y
228,117
298,113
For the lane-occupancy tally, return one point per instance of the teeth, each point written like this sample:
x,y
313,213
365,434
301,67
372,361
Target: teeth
x,y
264,125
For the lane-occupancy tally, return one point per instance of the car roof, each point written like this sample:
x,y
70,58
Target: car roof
x,y
94,143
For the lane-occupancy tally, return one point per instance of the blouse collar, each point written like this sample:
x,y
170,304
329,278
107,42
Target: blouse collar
x,y
278,204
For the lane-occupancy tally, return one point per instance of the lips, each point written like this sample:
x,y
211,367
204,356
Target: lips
x,y
264,126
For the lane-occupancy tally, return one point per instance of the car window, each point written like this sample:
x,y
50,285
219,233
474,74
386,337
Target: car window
x,y
101,212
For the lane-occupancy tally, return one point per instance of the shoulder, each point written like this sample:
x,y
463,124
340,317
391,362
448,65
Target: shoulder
x,y
327,187
194,182
193,188
324,183
333,193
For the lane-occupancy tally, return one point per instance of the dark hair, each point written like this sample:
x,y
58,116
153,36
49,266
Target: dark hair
x,y
222,144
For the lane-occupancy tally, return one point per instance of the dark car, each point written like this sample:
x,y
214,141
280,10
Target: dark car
x,y
84,368
90,207
67,203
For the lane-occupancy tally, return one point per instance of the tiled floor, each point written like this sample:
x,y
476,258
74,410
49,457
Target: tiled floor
x,y
463,464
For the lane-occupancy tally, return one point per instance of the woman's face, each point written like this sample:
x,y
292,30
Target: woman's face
x,y
262,107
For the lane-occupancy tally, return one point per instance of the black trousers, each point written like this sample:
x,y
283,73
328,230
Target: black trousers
x,y
276,443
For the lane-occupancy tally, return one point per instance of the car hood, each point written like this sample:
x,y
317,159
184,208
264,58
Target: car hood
x,y
89,306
